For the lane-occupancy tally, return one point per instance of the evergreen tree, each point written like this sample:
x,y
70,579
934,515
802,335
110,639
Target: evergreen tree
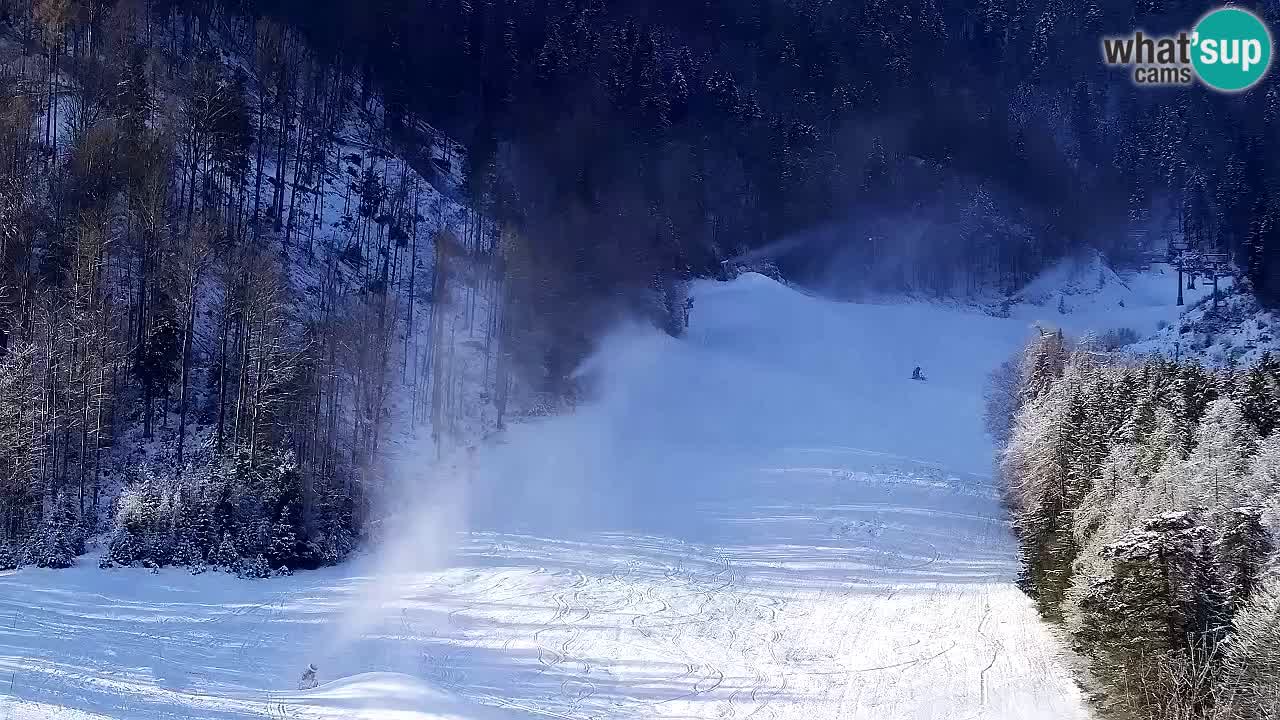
x,y
1043,363
53,548
125,548
256,569
1259,398
283,548
8,558
1195,389
1038,464
201,528
1243,550
187,554
1161,598
59,541
226,557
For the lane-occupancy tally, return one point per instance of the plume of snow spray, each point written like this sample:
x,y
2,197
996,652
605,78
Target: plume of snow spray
x,y
561,474
422,521
773,250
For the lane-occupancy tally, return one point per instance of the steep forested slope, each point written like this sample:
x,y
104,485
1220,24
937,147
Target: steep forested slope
x,y
225,291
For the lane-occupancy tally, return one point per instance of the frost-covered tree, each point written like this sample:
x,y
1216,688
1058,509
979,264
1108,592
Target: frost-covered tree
x,y
1042,363
1161,598
1110,510
1158,476
1194,390
1211,475
1242,552
1260,486
1253,663
1092,422
1161,446
1038,466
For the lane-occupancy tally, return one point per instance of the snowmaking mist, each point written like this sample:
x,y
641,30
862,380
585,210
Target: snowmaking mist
x,y
422,516
579,472
592,470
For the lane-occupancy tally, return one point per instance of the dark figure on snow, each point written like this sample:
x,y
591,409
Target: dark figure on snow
x,y
688,310
308,679
917,374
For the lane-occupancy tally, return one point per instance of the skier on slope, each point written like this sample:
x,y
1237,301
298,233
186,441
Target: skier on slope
x,y
917,374
308,679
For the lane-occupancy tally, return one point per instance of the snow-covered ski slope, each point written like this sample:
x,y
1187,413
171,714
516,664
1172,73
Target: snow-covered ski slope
x,y
767,519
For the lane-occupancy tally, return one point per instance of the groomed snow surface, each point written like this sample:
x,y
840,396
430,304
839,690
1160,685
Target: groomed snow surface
x,y
767,519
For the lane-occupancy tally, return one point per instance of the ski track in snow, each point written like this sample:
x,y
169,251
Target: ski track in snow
x,y
768,520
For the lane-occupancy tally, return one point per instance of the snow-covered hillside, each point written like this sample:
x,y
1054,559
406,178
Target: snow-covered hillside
x,y
1237,331
767,519
1084,294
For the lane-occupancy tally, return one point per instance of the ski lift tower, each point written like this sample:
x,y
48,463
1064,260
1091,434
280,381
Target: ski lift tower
x,y
1217,265
1178,257
1191,261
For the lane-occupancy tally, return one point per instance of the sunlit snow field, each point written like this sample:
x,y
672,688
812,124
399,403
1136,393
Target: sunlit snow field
x,y
767,519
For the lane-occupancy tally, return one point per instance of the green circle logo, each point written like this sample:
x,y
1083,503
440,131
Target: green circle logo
x,y
1231,49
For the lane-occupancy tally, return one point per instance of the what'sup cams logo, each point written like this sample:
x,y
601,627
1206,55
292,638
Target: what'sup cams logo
x,y
1229,50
